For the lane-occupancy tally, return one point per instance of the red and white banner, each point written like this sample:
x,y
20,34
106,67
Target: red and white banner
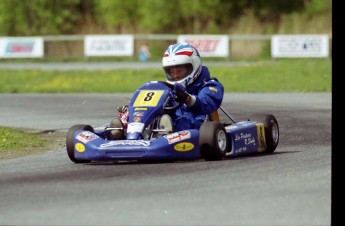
x,y
109,45
21,47
208,45
300,46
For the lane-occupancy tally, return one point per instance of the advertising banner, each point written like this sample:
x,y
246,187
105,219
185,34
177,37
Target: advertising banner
x,y
291,46
208,45
21,47
109,45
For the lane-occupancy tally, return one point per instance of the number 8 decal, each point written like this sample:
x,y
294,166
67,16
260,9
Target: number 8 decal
x,y
149,96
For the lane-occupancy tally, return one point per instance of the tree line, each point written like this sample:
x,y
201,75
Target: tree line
x,y
57,17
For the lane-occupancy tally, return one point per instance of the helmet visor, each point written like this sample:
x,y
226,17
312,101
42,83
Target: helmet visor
x,y
178,72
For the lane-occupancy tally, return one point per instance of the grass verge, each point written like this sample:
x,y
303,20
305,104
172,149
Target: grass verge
x,y
288,75
15,143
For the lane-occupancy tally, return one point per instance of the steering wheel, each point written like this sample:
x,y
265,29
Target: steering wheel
x,y
177,104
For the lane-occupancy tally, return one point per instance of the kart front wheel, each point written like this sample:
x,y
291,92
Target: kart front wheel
x,y
213,141
70,141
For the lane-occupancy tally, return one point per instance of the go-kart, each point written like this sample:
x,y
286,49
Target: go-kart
x,y
144,139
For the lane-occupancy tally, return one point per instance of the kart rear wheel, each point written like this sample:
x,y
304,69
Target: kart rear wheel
x,y
213,141
271,132
70,141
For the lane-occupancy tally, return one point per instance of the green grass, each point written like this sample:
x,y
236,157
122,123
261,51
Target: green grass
x,y
278,76
283,75
15,142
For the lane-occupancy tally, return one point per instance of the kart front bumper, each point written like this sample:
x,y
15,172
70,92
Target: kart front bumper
x,y
179,145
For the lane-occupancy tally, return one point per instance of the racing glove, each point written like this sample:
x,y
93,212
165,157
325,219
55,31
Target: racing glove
x,y
182,95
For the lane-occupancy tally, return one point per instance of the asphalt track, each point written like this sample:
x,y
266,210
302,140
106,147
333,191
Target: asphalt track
x,y
292,186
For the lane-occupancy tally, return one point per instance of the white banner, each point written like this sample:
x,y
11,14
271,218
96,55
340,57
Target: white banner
x,y
300,46
208,45
21,47
109,45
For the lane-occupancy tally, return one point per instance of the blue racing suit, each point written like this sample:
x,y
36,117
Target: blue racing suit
x,y
209,96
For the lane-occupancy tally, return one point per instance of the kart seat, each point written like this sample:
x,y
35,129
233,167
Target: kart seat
x,y
214,116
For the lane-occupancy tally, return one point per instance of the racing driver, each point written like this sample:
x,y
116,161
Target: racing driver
x,y
201,94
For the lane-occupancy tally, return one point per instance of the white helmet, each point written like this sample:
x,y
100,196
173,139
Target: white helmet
x,y
182,54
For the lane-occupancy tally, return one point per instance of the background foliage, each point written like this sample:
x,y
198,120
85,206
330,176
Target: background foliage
x,y
56,17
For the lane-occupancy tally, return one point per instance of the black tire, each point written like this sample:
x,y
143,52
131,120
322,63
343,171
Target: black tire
x,y
271,132
213,141
70,141
116,134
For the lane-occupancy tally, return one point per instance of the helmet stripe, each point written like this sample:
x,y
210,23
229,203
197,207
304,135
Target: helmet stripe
x,y
187,53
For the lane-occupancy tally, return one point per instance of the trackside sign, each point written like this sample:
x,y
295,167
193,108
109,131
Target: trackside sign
x,y
109,45
291,46
208,45
21,47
